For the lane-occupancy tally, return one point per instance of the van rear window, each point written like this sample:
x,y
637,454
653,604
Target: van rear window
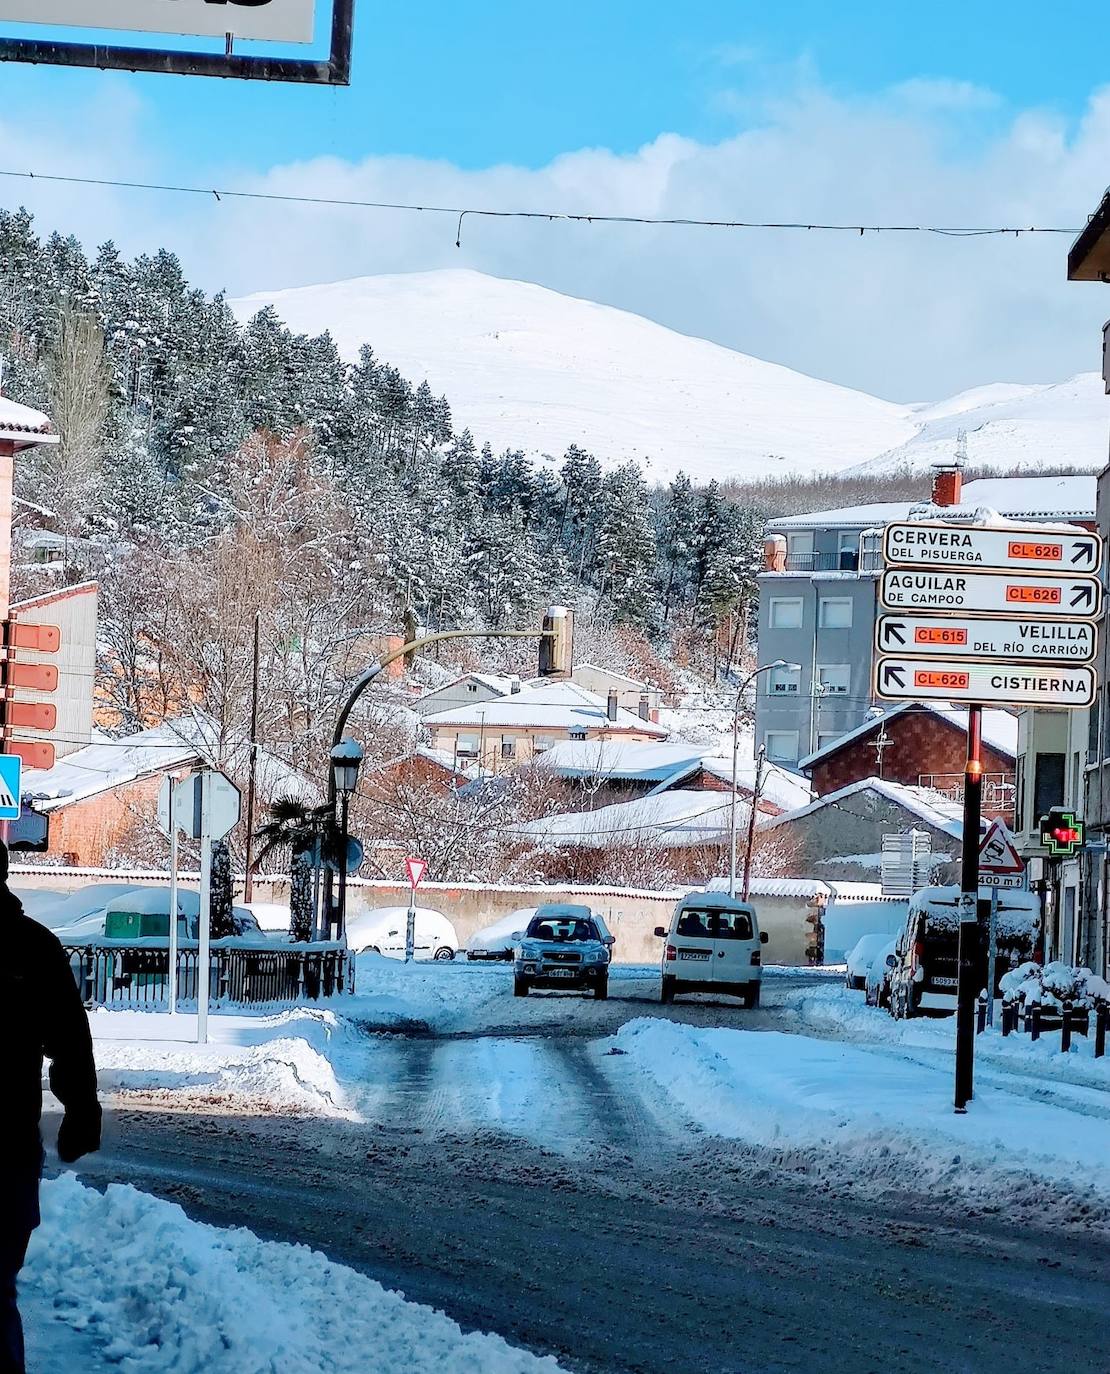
x,y
720,925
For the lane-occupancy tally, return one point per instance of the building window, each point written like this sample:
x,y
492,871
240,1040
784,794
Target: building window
x,y
1048,785
466,746
783,681
508,748
826,737
834,679
785,613
847,551
835,613
543,743
577,732
799,550
471,686
781,746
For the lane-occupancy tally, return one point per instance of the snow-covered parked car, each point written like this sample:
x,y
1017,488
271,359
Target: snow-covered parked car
x,y
860,958
383,931
563,946
926,973
876,983
497,941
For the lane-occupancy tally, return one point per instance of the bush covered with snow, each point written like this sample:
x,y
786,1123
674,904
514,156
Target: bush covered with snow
x,y
1053,984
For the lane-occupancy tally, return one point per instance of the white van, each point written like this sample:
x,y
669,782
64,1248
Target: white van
x,y
713,945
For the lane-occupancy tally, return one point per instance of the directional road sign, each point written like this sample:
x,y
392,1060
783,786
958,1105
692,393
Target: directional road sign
x,y
1002,684
1019,641
1030,549
1065,598
997,851
11,779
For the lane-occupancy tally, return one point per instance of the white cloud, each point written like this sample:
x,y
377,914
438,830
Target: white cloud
x,y
905,316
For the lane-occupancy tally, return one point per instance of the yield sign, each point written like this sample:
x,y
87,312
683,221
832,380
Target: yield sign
x,y
416,868
997,853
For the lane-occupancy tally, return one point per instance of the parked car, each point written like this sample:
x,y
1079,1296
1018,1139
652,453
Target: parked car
x,y
563,946
925,976
713,945
383,931
497,941
876,986
860,958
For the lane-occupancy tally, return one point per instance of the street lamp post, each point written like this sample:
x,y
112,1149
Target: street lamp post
x,y
346,759
763,668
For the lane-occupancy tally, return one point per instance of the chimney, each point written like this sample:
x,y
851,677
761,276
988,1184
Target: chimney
x,y
774,553
611,707
948,480
514,685
645,709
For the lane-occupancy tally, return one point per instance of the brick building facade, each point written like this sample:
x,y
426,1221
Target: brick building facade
x,y
921,745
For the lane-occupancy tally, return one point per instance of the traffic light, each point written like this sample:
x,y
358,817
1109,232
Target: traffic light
x,y
557,643
1062,833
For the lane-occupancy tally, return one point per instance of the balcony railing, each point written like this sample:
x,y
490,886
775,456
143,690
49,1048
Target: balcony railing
x,y
113,973
847,560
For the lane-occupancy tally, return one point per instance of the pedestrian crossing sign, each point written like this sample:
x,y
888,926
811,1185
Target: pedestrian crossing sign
x,y
11,777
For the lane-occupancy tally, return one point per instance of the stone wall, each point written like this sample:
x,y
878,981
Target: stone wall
x,y
631,915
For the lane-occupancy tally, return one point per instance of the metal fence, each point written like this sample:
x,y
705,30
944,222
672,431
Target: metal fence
x,y
119,974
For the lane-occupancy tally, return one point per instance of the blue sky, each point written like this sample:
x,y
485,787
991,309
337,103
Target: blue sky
x,y
942,113
479,82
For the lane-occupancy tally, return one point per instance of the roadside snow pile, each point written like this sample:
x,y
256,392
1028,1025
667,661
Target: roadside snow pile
x,y
1053,984
872,1105
280,1063
442,996
168,1295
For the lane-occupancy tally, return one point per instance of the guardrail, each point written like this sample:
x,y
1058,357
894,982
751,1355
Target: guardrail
x,y
122,974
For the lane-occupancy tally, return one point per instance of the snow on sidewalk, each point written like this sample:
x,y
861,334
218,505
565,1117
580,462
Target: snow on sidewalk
x,y
871,1106
156,1293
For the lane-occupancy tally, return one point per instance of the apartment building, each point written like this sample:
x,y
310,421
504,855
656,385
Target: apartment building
x,y
817,600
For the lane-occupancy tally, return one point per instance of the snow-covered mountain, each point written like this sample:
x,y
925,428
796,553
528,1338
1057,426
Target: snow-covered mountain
x,y
1008,426
530,368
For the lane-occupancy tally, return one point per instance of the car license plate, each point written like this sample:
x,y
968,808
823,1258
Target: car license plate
x,y
561,972
693,954
944,982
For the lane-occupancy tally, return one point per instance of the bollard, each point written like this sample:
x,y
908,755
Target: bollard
x,y
1035,1021
1009,1017
1065,1028
981,1015
1100,1030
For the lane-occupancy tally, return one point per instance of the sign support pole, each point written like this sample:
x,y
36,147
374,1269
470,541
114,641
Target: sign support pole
x,y
410,926
969,912
992,956
204,955
174,858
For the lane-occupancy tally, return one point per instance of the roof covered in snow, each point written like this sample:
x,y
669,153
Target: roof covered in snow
x,y
1000,728
21,424
804,887
107,763
609,672
1017,498
931,808
548,705
667,820
621,759
776,785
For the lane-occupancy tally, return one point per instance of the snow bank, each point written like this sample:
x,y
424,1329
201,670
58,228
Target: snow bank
x,y
870,1105
443,996
283,1063
162,1293
1053,985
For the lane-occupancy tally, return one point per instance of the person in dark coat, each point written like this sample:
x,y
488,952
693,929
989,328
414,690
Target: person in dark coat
x,y
41,1014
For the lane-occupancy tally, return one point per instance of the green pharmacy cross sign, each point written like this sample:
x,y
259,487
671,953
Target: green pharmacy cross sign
x,y
1062,833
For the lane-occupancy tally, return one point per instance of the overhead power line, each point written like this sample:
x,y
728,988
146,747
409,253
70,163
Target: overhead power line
x,y
460,212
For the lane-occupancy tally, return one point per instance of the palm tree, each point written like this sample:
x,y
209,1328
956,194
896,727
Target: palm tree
x,y
299,828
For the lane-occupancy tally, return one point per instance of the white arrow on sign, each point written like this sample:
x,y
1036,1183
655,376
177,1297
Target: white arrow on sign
x,y
998,853
1022,641
919,679
933,544
1027,594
